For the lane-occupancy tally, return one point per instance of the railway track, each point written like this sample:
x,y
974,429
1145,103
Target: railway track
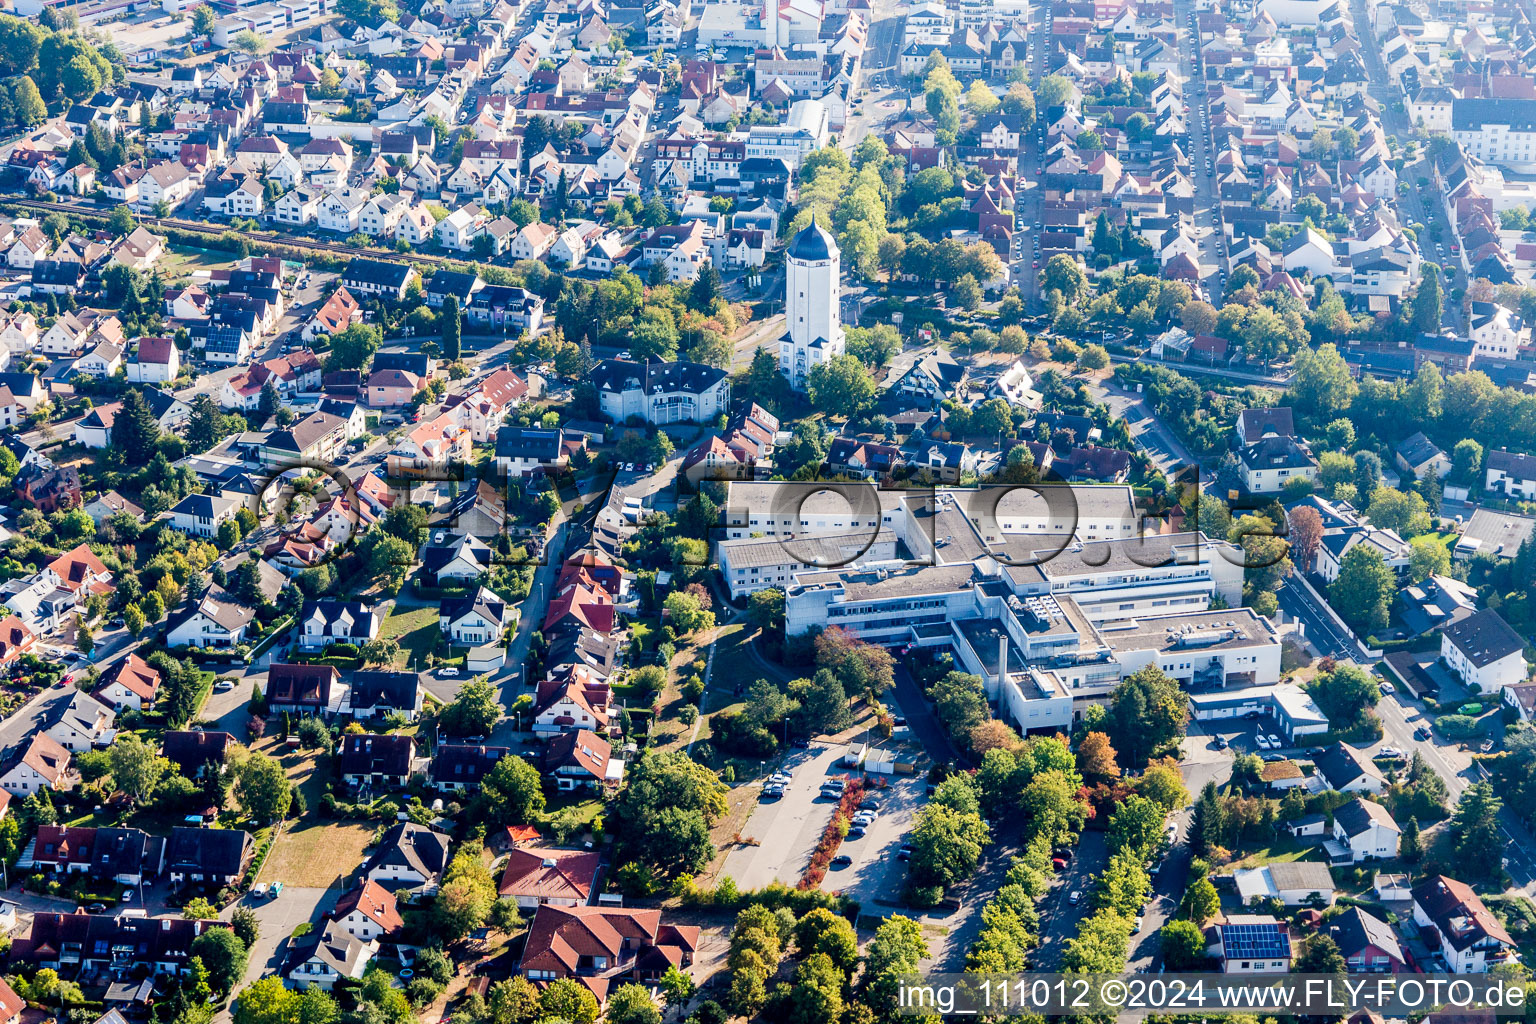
x,y
272,238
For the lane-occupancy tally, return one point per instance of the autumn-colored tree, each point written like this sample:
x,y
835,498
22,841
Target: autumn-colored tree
x,y
991,735
1306,534
1096,758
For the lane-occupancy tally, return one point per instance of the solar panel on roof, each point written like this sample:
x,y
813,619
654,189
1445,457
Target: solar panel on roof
x,y
1254,941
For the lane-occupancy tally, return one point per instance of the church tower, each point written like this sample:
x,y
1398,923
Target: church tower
x,y
811,304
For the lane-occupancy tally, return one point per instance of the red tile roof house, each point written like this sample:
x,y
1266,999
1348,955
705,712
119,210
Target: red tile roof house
x,y
15,639
131,683
603,946
11,1004
537,877
581,758
368,912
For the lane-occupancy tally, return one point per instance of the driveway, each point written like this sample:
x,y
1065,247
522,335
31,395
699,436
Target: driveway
x,y
277,919
921,719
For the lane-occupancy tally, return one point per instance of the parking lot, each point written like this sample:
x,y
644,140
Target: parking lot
x,y
787,829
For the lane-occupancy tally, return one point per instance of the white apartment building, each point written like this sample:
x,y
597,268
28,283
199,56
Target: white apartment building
x,y
1485,651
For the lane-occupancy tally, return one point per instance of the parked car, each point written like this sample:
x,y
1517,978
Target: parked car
x,y
1261,741
1074,898
1386,687
1422,733
1391,752
842,860
905,852
447,673
1274,742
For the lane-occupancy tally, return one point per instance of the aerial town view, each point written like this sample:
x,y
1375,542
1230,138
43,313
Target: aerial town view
x,y
693,511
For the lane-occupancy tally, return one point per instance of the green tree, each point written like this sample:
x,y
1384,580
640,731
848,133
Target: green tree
x,y
1322,385
663,815
28,102
513,792
1137,825
464,900
569,1000
203,426
135,431
1183,946
224,955
1409,846
1364,588
1063,274
353,347
821,931
841,386
677,988
246,925
474,711
632,1004
966,291
1427,557
687,613
1320,955
1428,303
262,788
1466,460
1391,509
1147,711
266,1001
946,845
137,767
1201,901
203,20
1475,829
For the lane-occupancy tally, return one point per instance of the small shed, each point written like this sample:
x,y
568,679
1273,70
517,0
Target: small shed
x,y
1307,826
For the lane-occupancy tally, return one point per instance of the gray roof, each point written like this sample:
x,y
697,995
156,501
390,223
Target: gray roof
x,y
1359,815
1497,533
812,244
1484,637
1354,930
1342,764
1301,876
413,846
654,376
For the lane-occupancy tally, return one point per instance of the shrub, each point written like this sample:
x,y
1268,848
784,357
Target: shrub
x,y
1457,727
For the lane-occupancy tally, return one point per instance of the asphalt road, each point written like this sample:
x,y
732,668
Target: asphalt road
x,y
1207,208
1320,630
1149,432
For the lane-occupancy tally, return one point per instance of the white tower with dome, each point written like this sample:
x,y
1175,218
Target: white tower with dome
x,y
812,299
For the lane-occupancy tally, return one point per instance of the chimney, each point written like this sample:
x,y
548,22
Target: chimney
x,y
1002,656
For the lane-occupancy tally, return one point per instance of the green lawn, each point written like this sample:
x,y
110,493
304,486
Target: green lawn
x,y
417,630
1280,851
181,261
